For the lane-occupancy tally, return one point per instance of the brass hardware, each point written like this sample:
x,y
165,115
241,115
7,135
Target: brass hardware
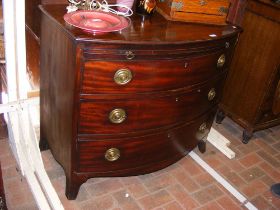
x,y
122,76
227,45
129,55
221,61
223,10
117,116
202,127
202,132
112,154
202,2
211,94
177,6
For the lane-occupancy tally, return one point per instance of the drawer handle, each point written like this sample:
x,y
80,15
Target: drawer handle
x,y
222,10
122,76
211,94
221,61
117,116
129,55
112,154
202,128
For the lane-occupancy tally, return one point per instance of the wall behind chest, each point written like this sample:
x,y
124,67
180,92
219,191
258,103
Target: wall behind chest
x,y
33,22
33,14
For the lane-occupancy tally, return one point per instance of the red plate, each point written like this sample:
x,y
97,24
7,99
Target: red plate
x,y
96,21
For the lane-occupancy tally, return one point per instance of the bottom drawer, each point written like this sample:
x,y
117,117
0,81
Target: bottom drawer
x,y
147,152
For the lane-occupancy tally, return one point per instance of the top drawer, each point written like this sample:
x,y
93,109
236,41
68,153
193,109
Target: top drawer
x,y
146,76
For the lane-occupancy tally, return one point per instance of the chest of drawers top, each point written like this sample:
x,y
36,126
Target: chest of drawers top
x,y
148,33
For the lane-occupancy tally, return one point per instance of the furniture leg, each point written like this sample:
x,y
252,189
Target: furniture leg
x,y
201,146
220,116
72,188
43,144
246,136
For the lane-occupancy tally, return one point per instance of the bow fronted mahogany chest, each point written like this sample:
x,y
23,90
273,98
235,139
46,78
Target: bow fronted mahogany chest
x,y
128,102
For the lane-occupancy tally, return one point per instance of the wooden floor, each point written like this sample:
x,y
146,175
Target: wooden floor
x,y
184,185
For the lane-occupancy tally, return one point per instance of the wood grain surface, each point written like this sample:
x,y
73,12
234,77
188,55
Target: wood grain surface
x,y
251,86
174,69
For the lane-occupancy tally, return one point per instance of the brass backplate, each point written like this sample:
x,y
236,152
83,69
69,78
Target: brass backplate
x,y
117,116
112,154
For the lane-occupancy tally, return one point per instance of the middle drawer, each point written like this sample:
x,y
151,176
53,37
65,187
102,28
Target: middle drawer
x,y
146,76
146,111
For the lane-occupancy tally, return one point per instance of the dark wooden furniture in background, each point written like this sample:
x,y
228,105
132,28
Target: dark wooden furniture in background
x,y
252,91
129,102
236,11
2,193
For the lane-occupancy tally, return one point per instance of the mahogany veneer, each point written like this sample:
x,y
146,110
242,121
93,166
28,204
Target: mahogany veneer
x,y
95,126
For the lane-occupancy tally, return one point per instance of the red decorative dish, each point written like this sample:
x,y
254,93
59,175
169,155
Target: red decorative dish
x,y
96,21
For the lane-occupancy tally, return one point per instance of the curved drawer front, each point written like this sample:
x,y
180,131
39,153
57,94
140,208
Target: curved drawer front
x,y
153,51
106,116
152,75
101,156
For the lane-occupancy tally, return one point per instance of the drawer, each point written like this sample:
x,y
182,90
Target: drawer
x,y
147,111
156,51
146,76
146,152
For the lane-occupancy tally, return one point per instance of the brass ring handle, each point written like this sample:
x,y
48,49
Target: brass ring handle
x,y
129,55
122,76
117,116
202,127
221,61
112,154
211,94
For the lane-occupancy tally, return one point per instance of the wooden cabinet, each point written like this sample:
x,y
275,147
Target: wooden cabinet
x,y
129,102
251,94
